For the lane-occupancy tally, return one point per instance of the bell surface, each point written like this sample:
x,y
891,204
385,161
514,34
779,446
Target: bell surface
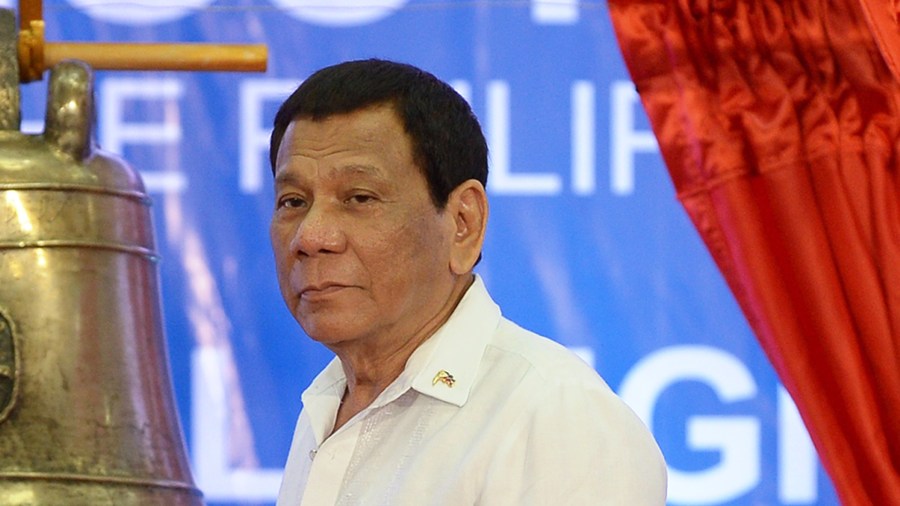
x,y
87,412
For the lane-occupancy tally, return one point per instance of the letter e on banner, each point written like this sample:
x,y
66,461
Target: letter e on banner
x,y
116,133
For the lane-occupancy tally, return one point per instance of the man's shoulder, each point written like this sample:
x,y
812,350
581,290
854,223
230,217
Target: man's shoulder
x,y
545,359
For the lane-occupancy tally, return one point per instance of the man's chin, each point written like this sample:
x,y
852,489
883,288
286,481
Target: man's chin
x,y
330,333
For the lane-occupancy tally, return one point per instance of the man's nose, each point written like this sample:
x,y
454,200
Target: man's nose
x,y
319,232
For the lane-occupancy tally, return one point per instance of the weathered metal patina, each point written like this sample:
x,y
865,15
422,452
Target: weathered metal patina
x,y
87,414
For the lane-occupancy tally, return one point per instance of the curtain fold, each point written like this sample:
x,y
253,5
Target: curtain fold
x,y
779,122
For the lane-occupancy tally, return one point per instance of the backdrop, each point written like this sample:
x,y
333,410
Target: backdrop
x,y
586,242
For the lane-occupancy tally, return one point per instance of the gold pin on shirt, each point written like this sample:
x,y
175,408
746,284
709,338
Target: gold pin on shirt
x,y
444,377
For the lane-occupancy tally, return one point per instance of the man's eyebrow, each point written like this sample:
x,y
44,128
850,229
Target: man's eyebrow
x,y
289,178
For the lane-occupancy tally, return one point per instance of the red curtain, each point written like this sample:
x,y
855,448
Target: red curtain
x,y
779,122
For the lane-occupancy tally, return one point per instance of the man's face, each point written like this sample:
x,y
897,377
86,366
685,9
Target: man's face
x,y
362,253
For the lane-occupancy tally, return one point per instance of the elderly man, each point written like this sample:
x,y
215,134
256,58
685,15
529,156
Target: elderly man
x,y
433,398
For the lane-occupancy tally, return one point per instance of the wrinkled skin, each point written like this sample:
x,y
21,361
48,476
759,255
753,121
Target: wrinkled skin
x,y
366,263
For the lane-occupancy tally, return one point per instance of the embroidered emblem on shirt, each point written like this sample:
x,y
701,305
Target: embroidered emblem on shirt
x,y
444,377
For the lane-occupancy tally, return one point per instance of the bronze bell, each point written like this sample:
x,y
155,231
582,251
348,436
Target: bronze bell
x,y
87,415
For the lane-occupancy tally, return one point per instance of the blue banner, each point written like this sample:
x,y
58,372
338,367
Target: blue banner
x,y
586,244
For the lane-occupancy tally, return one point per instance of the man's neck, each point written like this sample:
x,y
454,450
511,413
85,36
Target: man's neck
x,y
371,368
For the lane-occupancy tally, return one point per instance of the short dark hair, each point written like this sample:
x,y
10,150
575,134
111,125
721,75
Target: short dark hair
x,y
447,141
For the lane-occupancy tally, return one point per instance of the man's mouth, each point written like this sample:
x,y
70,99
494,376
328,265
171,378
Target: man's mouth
x,y
321,290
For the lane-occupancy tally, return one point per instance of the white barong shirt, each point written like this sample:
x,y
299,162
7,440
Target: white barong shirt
x,y
484,413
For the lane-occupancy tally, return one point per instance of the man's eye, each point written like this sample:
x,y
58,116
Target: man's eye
x,y
361,198
291,202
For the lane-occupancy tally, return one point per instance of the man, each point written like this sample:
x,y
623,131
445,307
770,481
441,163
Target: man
x,y
433,397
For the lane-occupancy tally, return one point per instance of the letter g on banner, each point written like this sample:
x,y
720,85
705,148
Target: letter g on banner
x,y
340,12
735,438
139,12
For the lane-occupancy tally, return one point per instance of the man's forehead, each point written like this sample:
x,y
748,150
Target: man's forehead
x,y
370,128
288,173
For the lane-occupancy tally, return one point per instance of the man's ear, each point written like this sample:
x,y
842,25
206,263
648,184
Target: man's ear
x,y
469,207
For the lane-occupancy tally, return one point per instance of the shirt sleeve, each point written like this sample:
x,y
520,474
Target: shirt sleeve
x,y
577,445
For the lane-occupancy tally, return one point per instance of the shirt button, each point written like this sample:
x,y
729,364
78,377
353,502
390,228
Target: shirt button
x,y
312,453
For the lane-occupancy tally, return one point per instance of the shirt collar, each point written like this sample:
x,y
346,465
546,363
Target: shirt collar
x,y
323,397
443,367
